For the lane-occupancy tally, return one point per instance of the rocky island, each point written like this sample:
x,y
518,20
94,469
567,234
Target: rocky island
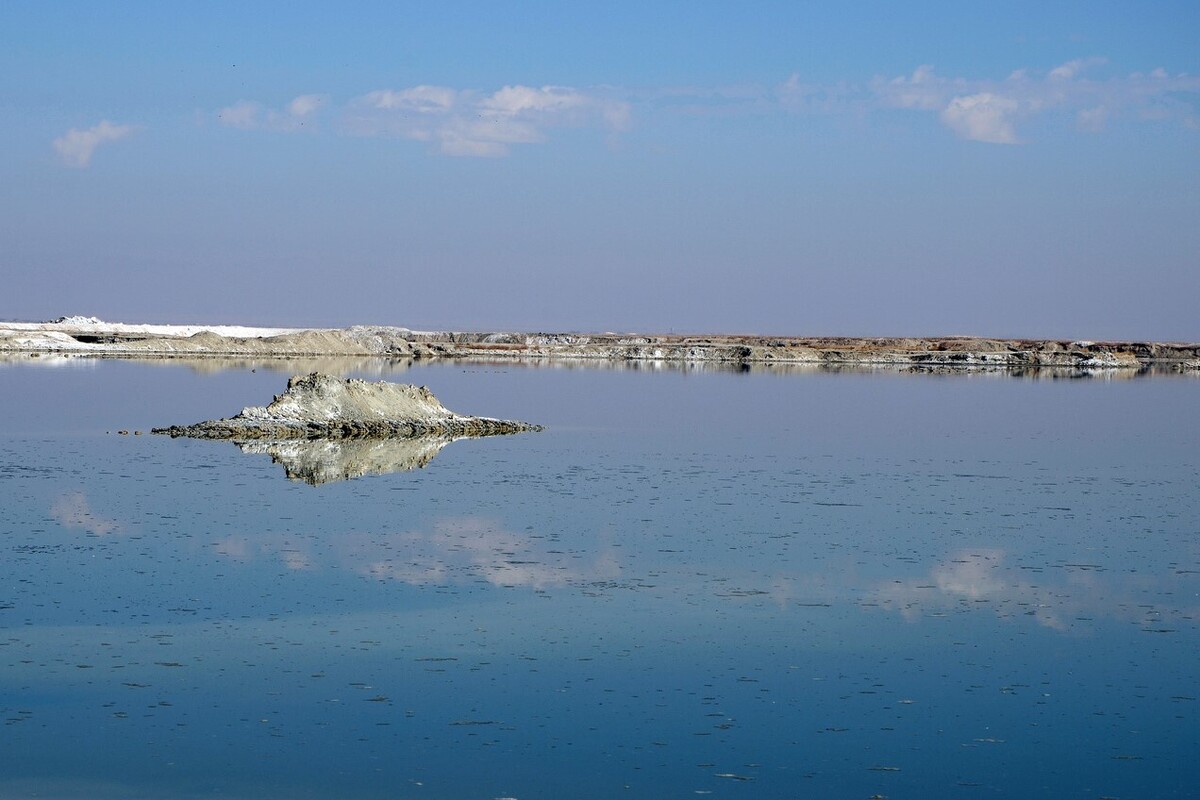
x,y
320,406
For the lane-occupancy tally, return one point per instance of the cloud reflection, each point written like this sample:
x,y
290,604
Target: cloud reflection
x,y
460,549
976,579
967,579
457,550
72,510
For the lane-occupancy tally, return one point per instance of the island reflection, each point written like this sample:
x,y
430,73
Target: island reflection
x,y
320,461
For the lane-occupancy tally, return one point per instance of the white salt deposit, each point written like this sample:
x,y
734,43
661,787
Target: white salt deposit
x,y
94,325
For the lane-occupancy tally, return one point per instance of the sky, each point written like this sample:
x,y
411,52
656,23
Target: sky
x,y
1024,169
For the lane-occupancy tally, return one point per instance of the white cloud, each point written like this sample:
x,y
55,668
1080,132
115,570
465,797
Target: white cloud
x,y
923,90
242,114
305,104
1092,119
1072,69
76,146
983,117
514,100
420,99
795,94
250,116
468,123
452,144
989,110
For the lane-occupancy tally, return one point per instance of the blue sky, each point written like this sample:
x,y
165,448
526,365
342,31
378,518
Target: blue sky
x,y
1008,169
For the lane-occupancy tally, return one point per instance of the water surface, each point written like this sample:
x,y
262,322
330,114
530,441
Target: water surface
x,y
691,584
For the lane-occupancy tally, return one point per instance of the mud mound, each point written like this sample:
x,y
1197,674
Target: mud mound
x,y
320,406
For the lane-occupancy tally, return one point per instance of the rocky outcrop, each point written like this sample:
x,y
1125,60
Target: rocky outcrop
x,y
320,406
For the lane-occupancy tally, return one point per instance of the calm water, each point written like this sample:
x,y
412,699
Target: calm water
x,y
691,584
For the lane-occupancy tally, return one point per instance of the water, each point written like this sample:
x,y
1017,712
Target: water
x,y
691,584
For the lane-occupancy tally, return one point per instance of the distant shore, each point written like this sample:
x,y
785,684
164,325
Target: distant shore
x,y
87,336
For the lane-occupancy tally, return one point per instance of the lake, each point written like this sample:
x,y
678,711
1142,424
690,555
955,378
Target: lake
x,y
692,583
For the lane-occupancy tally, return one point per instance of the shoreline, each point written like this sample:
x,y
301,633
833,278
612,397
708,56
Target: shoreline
x,y
85,336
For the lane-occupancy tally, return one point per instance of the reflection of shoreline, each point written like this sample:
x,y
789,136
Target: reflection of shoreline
x,y
320,461
209,365
383,366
